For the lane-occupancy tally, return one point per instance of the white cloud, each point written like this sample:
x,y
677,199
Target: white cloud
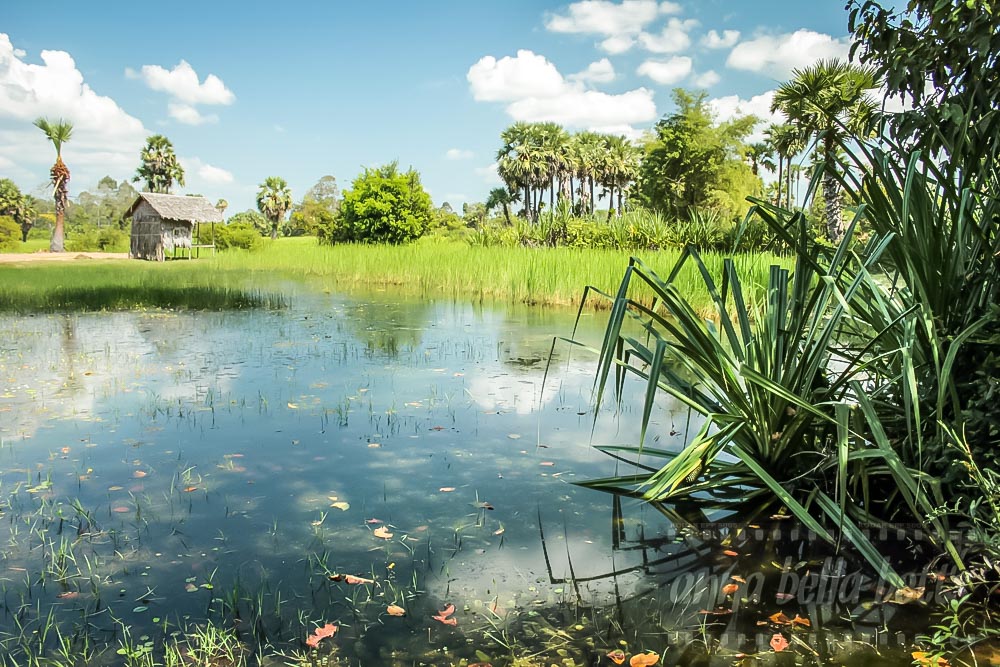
x,y
666,72
525,75
778,55
536,92
203,173
488,174
182,83
106,139
673,38
609,18
706,79
187,114
587,108
618,44
733,106
629,132
601,71
714,40
458,154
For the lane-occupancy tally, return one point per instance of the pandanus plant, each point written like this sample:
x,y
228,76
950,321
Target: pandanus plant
x,y
58,132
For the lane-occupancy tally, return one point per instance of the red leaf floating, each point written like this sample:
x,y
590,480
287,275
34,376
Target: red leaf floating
x,y
778,642
446,621
327,630
617,656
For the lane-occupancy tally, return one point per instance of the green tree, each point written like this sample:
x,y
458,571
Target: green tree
x,y
159,168
954,45
619,168
829,101
502,198
759,154
58,132
684,157
384,205
319,202
250,218
786,141
273,201
18,206
520,162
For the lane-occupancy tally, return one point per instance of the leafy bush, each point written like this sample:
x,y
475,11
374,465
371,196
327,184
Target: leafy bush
x,y
253,219
383,206
242,235
112,239
10,233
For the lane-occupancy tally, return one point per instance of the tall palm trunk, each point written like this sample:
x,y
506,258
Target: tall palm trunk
x,y
572,194
527,202
592,194
619,202
781,164
506,214
834,215
788,182
611,201
60,193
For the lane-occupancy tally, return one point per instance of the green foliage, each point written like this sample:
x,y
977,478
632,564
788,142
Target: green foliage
x,y
249,217
273,201
10,233
97,239
693,162
383,205
319,203
237,234
159,168
104,206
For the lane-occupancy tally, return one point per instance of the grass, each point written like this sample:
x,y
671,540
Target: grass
x,y
553,277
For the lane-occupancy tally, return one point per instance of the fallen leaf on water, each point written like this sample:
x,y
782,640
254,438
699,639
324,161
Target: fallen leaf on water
x,y
312,641
447,611
904,595
373,520
547,464
924,658
729,589
139,474
114,488
482,505
778,642
644,660
121,510
730,552
617,656
65,450
739,579
351,579
190,588
395,610
189,489
292,406
513,436
68,595
382,532
780,619
446,489
499,531
341,505
327,630
804,622
446,621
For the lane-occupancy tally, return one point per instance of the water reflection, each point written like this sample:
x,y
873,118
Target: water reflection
x,y
162,469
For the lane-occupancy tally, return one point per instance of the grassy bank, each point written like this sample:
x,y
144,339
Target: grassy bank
x,y
541,276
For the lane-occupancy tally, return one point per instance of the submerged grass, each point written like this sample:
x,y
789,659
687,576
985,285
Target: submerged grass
x,y
542,276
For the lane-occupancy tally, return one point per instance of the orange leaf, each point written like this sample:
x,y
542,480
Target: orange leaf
x,y
395,610
447,611
617,656
445,620
729,589
312,641
382,532
351,579
327,630
739,579
189,489
780,619
924,658
730,552
798,620
644,660
778,642
446,489
139,474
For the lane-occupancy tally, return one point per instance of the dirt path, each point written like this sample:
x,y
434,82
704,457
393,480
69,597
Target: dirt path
x,y
9,258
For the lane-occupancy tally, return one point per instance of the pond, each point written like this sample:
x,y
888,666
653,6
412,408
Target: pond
x,y
399,469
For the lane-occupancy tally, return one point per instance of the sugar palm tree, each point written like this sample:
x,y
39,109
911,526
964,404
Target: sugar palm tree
x,y
759,155
159,168
786,141
620,168
521,162
273,201
58,132
829,101
502,197
590,149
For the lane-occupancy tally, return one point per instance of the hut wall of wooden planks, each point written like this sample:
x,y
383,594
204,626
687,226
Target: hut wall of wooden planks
x,y
169,225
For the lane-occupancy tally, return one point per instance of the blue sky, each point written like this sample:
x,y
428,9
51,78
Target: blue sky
x,y
305,89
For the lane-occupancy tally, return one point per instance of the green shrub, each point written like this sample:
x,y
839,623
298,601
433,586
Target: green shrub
x,y
112,239
82,239
242,235
10,233
383,206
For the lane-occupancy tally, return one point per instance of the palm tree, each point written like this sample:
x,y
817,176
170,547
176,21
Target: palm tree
x,y
590,150
273,201
502,197
829,101
58,132
759,155
786,141
159,168
619,169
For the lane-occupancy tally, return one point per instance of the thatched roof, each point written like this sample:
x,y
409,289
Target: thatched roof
x,y
180,208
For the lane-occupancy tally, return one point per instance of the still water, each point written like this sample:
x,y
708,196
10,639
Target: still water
x,y
367,462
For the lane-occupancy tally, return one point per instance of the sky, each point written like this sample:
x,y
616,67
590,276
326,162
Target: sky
x,y
306,89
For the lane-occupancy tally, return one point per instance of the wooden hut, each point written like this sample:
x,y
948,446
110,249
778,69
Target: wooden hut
x,y
163,224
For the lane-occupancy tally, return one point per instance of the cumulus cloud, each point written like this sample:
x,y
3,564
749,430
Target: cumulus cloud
x,y
458,154
778,55
666,72
204,173
733,106
106,139
609,18
706,79
673,38
182,83
187,114
725,40
601,71
536,91
618,44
